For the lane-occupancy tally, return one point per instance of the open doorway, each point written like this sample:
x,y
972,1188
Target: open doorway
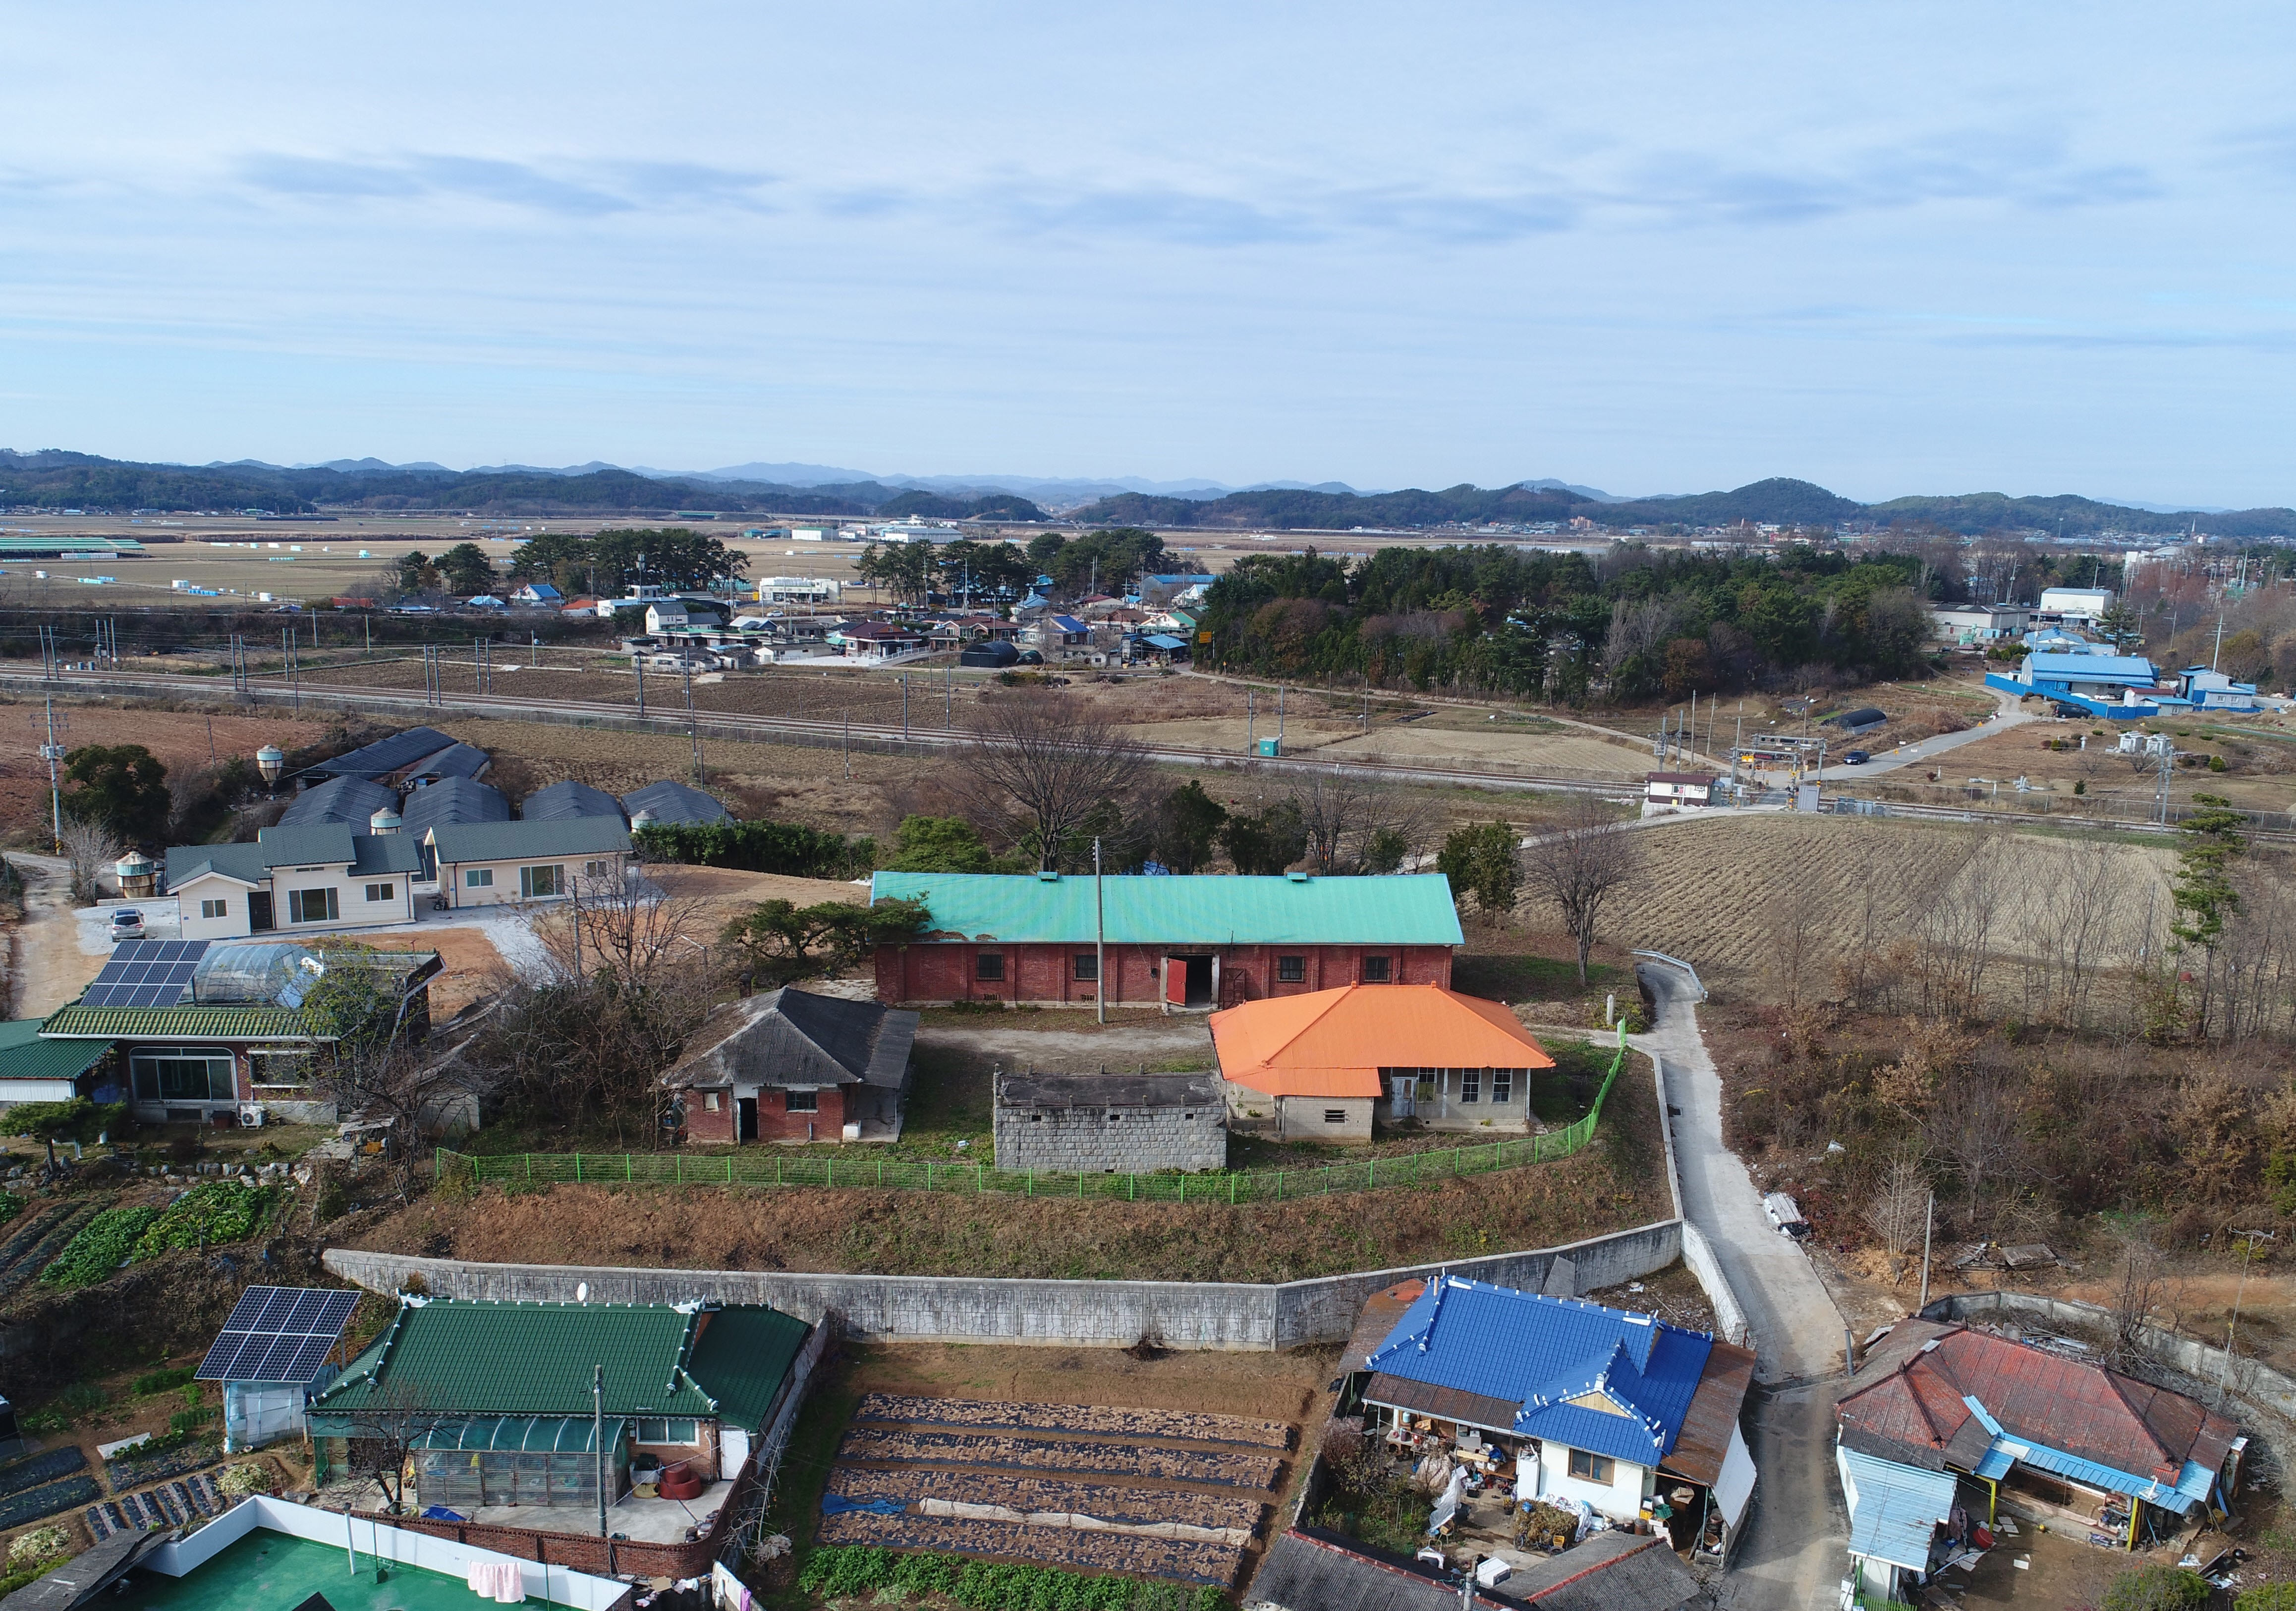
x,y
747,1107
1188,980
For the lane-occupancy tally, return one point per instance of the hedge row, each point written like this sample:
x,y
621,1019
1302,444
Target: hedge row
x,y
842,1570
788,848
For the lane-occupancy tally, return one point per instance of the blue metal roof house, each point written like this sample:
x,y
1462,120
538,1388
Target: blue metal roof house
x,y
1562,1399
2117,688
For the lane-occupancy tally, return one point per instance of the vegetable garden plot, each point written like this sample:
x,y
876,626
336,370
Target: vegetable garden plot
x,y
35,1503
37,1240
1093,1419
19,1475
1170,1559
1048,1454
1138,1507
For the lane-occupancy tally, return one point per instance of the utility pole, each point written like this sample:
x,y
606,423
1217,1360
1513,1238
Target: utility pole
x,y
904,704
1737,748
1099,940
1280,690
2217,654
52,753
2224,1376
693,729
637,664
598,1437
1251,722
948,698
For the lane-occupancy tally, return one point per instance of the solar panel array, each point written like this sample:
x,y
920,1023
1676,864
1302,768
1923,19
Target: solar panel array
x,y
146,973
278,1333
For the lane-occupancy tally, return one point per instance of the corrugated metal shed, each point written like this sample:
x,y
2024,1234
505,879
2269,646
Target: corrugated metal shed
x,y
1703,1443
2090,667
457,759
1540,1353
452,799
383,755
1402,910
1894,1509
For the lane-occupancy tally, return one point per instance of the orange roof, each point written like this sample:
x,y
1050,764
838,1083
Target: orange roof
x,y
1334,1043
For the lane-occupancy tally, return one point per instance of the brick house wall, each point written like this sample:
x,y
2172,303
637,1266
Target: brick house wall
x,y
777,1120
932,971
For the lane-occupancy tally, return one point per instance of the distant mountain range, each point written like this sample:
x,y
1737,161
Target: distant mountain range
x,y
55,478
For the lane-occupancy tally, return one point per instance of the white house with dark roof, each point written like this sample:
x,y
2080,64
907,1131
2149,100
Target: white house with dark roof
x,y
316,875
500,863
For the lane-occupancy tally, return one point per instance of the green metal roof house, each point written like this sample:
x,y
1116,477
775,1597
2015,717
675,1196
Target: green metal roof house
x,y
497,1400
33,1070
1183,942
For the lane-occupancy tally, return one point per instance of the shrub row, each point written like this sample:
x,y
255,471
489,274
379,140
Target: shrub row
x,y
103,1244
788,848
207,1215
838,1571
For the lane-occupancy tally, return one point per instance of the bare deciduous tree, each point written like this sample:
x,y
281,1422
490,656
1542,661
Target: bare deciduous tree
x,y
1579,863
1956,928
1795,916
1899,1209
1053,763
381,1434
89,849
1356,822
1975,1125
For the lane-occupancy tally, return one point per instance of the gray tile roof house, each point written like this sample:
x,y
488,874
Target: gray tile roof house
x,y
790,1037
452,799
460,841
300,844
562,800
671,802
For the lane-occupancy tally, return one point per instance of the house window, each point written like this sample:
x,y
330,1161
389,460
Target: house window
x,y
710,1102
1087,967
988,965
1375,970
215,908
479,878
312,906
1471,1086
169,1075
535,881
1502,1085
679,1433
1590,1468
1292,970
1335,1115
597,869
382,892
805,1101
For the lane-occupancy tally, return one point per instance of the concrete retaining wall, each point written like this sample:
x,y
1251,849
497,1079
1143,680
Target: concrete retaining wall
x,y
956,1309
2249,1379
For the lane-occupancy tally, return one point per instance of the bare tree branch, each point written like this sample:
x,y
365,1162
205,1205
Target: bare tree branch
x,y
1581,862
1053,762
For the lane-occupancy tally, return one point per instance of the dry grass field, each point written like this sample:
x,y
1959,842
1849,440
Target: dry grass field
x,y
1718,892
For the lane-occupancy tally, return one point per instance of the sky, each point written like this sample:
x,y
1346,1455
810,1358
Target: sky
x,y
1648,247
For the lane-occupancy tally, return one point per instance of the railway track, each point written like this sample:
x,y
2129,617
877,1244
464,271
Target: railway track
x,y
889,738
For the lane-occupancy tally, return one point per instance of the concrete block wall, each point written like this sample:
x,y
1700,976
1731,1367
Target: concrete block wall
x,y
962,1309
1138,1141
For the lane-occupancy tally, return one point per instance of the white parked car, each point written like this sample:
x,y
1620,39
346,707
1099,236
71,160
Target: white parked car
x,y
127,923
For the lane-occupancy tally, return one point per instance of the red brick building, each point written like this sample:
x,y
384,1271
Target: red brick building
x,y
790,1066
1203,941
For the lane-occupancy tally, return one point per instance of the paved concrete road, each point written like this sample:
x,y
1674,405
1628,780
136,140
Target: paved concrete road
x,y
2012,714
1792,1558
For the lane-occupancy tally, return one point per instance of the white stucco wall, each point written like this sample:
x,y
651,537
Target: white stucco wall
x,y
1303,1118
231,925
352,908
454,884
1621,1498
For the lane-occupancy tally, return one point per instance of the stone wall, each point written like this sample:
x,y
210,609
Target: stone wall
x,y
1128,1141
960,1309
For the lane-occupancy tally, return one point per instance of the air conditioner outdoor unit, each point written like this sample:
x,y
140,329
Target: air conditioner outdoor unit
x,y
251,1116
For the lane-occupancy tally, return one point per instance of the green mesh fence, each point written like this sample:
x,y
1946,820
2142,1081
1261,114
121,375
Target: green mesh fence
x,y
775,1166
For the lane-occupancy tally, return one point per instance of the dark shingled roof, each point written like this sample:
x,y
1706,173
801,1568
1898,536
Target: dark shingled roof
x,y
562,800
1610,1570
346,799
1108,1091
457,759
384,755
452,799
672,802
793,1036
1310,1569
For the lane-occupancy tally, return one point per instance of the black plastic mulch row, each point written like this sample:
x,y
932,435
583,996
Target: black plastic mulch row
x,y
35,1503
32,1471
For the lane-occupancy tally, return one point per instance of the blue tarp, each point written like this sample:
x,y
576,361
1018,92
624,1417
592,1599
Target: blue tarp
x,y
837,1504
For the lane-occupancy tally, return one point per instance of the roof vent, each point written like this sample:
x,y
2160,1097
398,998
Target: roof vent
x,y
384,821
1297,876
1048,876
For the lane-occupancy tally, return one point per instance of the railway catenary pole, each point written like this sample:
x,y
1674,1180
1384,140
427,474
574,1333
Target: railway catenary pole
x,y
1100,940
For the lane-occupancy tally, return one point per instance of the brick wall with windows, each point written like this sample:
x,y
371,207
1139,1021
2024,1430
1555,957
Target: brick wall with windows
x,y
1067,974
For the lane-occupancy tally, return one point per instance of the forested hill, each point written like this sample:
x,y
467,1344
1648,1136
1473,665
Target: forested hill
x,y
54,479
1781,501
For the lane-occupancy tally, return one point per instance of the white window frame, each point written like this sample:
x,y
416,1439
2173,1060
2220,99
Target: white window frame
x,y
211,909
381,892
299,905
526,881
477,878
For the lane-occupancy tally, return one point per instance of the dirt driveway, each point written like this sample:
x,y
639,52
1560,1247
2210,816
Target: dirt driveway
x,y
47,968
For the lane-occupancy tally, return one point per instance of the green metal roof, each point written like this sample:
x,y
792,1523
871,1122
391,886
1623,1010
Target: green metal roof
x,y
24,1056
536,1359
742,1358
298,844
189,1023
1402,909
523,840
